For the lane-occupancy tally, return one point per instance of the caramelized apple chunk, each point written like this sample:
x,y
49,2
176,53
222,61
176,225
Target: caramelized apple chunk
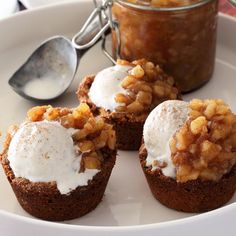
x,y
205,146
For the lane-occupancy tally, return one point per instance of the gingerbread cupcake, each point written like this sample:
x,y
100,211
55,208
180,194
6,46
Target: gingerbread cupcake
x,y
59,160
189,153
125,94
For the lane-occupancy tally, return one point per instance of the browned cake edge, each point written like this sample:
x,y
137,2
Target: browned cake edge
x,y
44,201
191,196
128,133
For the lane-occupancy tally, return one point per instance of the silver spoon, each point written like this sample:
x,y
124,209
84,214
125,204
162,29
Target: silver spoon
x,y
54,63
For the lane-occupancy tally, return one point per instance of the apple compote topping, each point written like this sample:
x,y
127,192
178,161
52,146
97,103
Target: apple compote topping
x,y
181,39
164,3
205,146
90,133
147,86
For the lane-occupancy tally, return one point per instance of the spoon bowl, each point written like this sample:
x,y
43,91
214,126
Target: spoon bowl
x,y
51,68
48,72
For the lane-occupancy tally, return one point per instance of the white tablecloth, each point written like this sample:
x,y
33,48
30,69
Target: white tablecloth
x,y
7,7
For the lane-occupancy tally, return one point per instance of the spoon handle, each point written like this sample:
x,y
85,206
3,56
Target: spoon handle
x,y
91,32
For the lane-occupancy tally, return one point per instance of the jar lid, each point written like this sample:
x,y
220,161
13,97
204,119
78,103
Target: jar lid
x,y
163,5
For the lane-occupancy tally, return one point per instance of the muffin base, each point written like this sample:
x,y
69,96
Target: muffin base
x,y
192,196
129,134
128,126
44,201
129,130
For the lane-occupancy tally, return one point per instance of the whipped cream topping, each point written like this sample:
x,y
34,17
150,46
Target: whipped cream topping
x,y
159,128
106,85
43,152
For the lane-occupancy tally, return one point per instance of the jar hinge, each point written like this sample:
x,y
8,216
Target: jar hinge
x,y
96,27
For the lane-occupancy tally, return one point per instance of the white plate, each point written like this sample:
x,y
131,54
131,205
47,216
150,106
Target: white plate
x,y
128,207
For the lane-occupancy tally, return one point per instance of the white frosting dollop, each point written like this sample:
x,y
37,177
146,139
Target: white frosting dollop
x,y
160,126
43,152
106,85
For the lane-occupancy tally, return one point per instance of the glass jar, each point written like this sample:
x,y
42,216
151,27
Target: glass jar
x,y
180,38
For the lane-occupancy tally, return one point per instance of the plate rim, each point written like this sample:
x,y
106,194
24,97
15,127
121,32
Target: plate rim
x,y
34,221
30,6
166,224
30,11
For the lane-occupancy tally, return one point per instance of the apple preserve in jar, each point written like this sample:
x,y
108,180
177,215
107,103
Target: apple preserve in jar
x,y
179,35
